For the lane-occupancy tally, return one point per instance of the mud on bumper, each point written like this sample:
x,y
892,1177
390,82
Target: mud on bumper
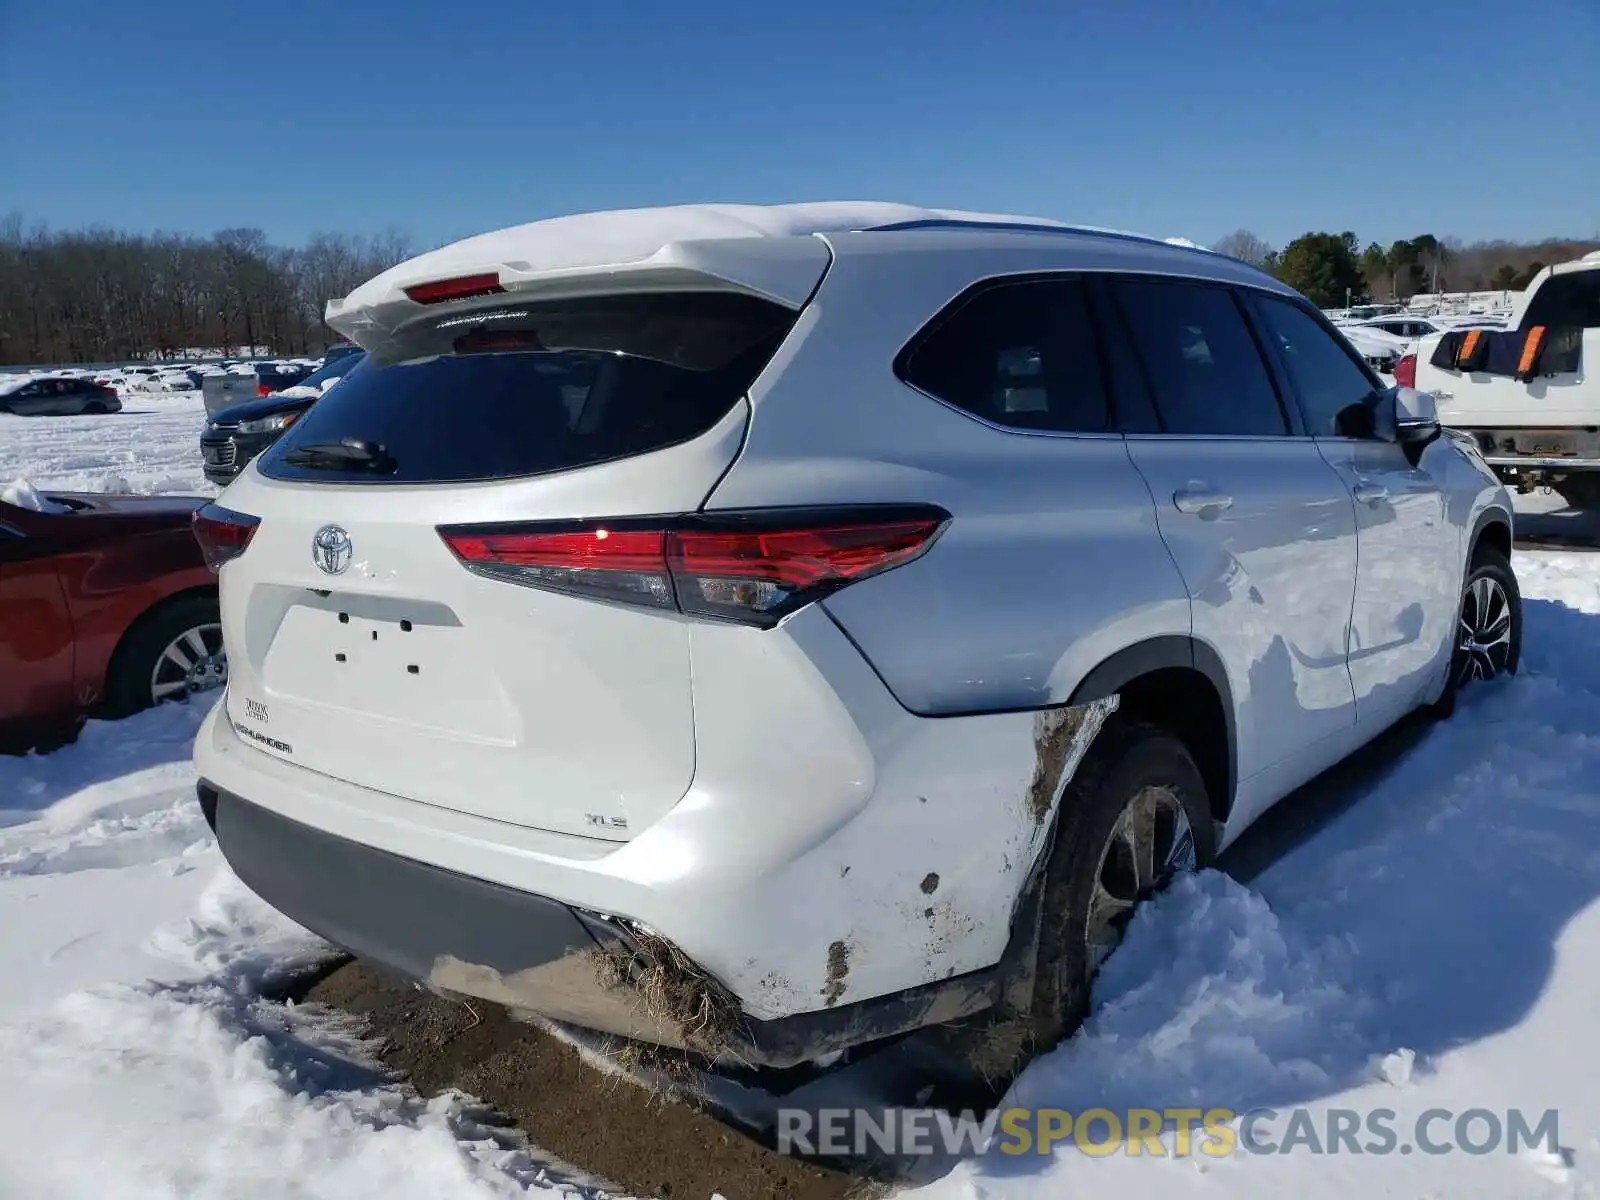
x,y
458,934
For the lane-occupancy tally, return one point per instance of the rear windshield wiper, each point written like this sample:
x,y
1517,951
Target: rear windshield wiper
x,y
348,454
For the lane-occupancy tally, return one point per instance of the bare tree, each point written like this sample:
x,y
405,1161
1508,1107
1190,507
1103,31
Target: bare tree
x,y
1246,246
98,294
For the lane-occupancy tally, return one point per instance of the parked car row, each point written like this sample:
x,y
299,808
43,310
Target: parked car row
x,y
236,434
224,382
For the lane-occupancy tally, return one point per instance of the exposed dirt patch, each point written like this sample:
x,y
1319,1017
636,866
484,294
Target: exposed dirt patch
x,y
838,971
930,884
603,1125
1055,739
1053,734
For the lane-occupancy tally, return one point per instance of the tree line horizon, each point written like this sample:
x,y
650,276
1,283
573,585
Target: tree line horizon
x,y
107,295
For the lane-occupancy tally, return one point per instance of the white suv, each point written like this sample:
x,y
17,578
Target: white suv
x,y
765,630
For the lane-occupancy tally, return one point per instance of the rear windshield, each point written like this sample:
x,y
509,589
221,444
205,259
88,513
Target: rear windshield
x,y
528,389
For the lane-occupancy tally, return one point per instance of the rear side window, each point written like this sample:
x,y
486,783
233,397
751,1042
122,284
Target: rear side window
x,y
1201,358
1337,395
1019,354
531,389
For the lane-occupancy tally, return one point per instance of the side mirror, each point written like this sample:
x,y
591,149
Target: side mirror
x,y
1408,416
1416,415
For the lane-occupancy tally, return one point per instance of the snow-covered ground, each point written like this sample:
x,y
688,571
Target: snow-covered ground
x,y
151,446
1435,945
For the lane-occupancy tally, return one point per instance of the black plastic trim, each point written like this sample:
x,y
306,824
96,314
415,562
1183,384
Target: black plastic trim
x,y
1490,516
1162,653
396,911
406,915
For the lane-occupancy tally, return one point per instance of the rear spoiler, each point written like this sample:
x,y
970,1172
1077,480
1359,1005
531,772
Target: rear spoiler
x,y
783,270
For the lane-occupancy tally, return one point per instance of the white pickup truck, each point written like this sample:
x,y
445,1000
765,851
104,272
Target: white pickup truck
x,y
1530,396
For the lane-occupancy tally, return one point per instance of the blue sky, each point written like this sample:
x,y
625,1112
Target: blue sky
x,y
1174,117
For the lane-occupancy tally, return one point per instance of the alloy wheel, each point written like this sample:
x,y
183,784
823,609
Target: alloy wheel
x,y
1151,843
194,661
1483,640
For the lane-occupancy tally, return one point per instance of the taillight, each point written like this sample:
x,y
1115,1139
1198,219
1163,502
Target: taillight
x,y
754,567
222,533
1405,371
459,288
263,390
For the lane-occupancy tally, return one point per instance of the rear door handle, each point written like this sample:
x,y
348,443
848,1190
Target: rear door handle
x,y
1371,493
1200,500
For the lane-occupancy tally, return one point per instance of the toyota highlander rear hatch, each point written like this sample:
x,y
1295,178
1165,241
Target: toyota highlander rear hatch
x,y
406,584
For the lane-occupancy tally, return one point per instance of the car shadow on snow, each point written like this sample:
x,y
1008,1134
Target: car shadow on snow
x,y
1408,900
1570,528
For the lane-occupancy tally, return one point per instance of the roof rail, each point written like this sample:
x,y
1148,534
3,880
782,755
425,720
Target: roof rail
x,y
1032,227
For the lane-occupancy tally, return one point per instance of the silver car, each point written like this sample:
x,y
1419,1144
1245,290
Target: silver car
x,y
759,631
56,396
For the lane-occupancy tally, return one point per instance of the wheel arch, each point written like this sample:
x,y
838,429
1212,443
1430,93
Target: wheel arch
x,y
1493,529
1179,683
150,613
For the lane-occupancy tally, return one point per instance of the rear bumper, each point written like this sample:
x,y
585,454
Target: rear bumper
x,y
1536,462
397,911
477,938
832,850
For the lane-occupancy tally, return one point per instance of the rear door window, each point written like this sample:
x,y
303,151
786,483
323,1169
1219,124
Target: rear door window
x,y
1201,358
529,389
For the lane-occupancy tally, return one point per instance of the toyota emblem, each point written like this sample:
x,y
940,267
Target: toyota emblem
x,y
331,549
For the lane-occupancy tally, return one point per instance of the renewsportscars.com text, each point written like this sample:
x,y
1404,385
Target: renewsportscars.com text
x,y
1165,1132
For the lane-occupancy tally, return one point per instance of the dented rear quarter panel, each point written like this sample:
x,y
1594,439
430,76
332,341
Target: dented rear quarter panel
x,y
861,870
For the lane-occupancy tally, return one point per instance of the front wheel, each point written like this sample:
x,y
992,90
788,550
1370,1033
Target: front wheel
x,y
1487,643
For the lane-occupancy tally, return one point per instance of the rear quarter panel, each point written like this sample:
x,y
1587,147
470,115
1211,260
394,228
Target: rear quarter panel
x,y
111,583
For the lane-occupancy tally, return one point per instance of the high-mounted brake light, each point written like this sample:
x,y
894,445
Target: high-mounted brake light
x,y
1405,371
459,288
754,568
222,533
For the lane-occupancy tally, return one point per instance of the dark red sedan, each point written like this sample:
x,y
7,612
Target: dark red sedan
x,y
106,607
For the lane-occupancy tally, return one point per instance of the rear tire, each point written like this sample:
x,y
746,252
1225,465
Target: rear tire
x,y
95,409
1137,780
149,664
